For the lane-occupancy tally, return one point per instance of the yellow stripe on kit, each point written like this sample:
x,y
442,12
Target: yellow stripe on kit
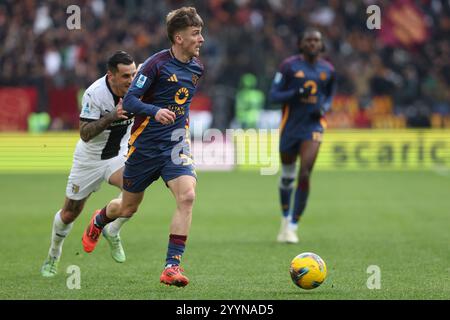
x,y
285,118
130,152
139,130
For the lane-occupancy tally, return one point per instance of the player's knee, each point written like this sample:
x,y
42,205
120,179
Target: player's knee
x,y
68,216
287,178
71,210
128,211
304,175
187,198
287,183
114,205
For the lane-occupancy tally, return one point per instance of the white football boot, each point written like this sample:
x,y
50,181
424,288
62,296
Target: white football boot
x,y
291,233
283,229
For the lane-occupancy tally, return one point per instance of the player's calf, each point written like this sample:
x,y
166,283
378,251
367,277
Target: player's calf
x,y
71,210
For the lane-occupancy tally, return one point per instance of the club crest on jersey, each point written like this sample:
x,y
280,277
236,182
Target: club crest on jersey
x,y
195,79
141,81
323,76
181,95
75,188
127,183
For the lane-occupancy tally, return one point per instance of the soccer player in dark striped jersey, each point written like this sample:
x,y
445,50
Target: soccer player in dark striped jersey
x,y
159,146
304,84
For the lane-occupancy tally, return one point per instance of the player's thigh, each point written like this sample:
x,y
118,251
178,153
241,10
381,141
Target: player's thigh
x,y
84,178
183,188
140,172
181,179
288,158
309,150
114,171
116,179
289,148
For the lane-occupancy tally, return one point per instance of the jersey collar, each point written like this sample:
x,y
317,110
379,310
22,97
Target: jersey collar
x,y
116,98
175,58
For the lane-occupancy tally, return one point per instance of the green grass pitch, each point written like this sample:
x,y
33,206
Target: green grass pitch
x,y
399,221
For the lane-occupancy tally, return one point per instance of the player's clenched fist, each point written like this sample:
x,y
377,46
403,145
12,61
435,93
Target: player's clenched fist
x,y
165,116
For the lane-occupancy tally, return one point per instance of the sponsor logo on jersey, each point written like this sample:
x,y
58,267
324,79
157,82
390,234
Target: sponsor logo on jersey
x,y
124,122
311,84
86,109
173,78
181,95
141,81
178,110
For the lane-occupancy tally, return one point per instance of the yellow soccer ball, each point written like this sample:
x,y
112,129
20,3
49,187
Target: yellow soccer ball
x,y
308,270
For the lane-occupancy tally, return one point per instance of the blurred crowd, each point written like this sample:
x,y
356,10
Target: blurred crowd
x,y
401,70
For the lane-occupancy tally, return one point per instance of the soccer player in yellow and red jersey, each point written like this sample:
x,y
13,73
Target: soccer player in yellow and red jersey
x,y
304,84
159,146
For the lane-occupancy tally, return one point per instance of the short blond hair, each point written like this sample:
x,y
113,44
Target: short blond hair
x,y
180,19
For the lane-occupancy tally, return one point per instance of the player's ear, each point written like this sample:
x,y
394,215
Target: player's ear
x,y
178,38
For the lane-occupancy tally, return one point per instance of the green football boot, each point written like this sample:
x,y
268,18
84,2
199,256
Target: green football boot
x,y
115,243
50,267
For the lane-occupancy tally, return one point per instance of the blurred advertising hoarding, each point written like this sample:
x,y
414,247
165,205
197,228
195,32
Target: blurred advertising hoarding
x,y
253,149
16,105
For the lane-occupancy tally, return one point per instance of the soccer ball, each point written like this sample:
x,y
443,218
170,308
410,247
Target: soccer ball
x,y
308,270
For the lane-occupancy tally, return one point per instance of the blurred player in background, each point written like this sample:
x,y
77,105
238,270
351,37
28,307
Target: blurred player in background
x,y
304,84
160,97
99,156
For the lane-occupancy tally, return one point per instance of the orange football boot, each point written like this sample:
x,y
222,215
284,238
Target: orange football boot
x,y
91,235
173,276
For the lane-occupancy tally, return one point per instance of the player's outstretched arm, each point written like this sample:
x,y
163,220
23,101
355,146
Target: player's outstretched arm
x,y
91,129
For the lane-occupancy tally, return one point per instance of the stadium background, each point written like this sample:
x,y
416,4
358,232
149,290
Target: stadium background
x,y
389,122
